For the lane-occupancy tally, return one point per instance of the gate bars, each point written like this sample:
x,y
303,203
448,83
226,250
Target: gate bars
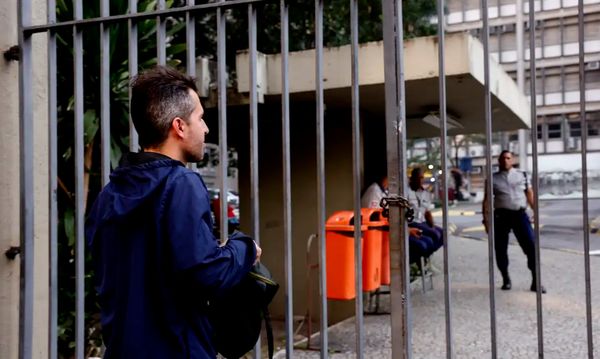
x,y
395,109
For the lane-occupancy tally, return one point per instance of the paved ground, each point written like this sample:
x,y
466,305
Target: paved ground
x,y
563,311
561,223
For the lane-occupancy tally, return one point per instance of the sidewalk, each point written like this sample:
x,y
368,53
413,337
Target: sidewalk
x,y
563,311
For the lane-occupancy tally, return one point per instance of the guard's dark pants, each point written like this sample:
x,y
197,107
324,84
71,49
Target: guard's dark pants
x,y
506,220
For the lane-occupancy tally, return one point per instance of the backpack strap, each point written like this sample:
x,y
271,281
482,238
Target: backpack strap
x,y
526,185
269,329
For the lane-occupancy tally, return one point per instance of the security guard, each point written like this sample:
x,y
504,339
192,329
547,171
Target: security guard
x,y
512,193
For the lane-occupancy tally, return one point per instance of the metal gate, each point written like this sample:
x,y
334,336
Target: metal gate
x,y
395,110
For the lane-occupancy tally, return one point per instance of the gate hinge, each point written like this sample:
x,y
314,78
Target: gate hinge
x,y
399,201
13,53
12,252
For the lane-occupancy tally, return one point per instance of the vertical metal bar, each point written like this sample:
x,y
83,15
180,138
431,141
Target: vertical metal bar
x,y
356,160
444,143
190,39
79,172
395,114
254,171
287,193
488,139
535,179
53,183
105,94
26,184
133,70
161,35
584,183
523,157
321,211
222,94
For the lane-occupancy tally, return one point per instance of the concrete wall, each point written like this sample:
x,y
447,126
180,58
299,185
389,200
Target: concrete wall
x,y
339,188
9,185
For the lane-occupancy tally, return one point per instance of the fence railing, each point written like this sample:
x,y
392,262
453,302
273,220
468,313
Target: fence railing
x,y
395,110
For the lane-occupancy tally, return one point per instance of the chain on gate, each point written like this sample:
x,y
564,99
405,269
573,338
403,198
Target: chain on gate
x,y
397,200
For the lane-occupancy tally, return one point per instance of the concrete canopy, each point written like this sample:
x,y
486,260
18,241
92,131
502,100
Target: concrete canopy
x,y
464,82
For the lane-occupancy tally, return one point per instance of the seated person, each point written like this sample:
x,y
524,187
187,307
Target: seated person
x,y
420,244
420,201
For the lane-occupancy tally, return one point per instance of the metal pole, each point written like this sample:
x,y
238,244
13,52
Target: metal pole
x,y
26,184
488,139
356,160
79,200
133,70
321,209
535,179
523,157
161,35
254,170
105,94
190,53
190,40
444,143
53,182
222,94
287,194
584,183
395,114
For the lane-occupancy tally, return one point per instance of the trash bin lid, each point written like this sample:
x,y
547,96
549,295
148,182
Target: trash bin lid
x,y
342,221
372,217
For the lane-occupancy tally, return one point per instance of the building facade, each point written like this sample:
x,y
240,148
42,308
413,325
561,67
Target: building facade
x,y
557,76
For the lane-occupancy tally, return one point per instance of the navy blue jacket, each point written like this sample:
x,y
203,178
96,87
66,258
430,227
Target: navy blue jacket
x,y
157,264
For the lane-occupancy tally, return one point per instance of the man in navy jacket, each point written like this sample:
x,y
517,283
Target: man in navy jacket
x,y
157,264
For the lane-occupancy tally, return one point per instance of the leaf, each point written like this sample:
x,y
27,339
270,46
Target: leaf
x,y
91,123
69,226
115,153
179,25
176,49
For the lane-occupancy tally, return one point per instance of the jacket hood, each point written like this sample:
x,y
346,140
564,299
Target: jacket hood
x,y
138,178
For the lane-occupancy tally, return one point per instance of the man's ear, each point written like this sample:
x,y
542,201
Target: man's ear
x,y
178,126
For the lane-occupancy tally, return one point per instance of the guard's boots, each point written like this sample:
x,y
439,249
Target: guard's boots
x,y
506,283
533,287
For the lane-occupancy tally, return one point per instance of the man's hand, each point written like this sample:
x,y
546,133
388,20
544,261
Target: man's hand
x,y
258,252
415,232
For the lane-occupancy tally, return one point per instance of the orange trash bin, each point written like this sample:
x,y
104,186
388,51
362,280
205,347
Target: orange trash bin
x,y
339,233
372,252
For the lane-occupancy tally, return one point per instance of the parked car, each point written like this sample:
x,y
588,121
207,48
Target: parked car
x,y
233,208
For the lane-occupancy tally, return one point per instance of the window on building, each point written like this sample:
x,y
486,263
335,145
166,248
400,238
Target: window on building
x,y
575,129
539,132
593,128
555,130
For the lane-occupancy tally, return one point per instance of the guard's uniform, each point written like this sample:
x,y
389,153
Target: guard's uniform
x,y
510,203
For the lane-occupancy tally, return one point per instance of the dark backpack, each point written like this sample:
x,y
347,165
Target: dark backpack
x,y
237,316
